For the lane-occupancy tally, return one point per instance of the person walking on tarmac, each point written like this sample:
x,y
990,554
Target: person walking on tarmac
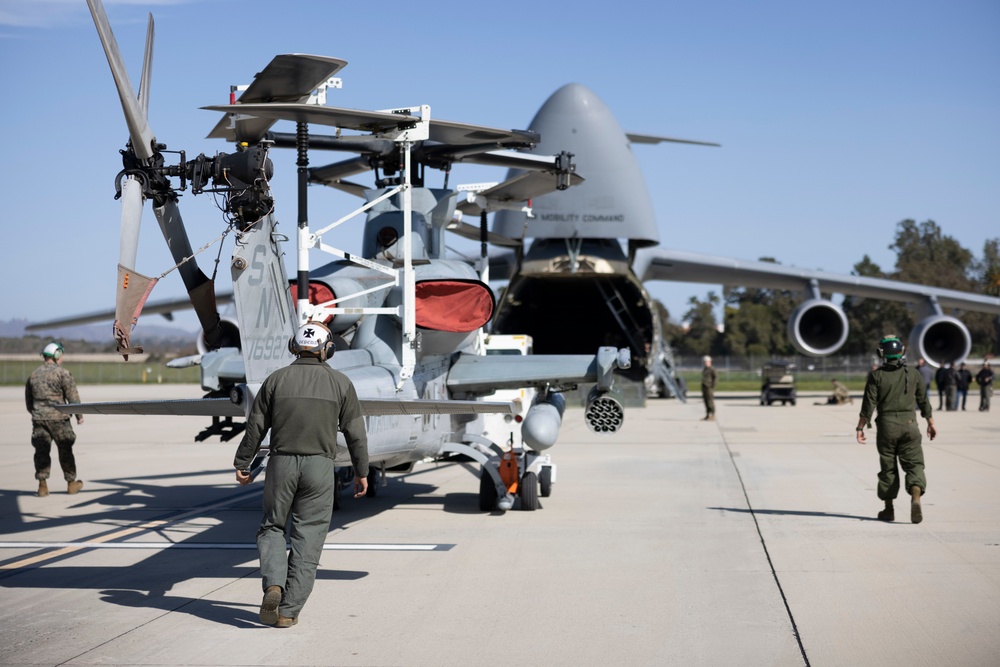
x,y
892,390
303,406
48,386
709,378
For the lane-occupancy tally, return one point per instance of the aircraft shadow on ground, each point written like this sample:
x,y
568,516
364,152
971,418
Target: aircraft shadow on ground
x,y
829,515
147,583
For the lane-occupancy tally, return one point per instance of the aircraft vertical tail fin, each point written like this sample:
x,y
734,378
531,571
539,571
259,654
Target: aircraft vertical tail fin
x,y
263,301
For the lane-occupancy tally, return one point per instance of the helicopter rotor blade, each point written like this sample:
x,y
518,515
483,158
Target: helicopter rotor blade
x,y
147,69
138,126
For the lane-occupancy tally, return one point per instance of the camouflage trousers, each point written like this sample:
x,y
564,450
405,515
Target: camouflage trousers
x,y
43,432
708,395
898,439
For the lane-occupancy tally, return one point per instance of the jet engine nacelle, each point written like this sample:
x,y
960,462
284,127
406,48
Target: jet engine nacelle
x,y
604,412
817,327
540,427
940,339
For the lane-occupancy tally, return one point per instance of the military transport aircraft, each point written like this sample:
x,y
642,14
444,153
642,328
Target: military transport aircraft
x,y
409,321
593,246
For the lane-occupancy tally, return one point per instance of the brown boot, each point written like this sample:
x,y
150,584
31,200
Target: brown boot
x,y
43,488
74,487
916,513
269,605
286,622
888,514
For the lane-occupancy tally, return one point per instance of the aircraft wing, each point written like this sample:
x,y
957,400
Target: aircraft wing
x,y
223,407
676,265
165,308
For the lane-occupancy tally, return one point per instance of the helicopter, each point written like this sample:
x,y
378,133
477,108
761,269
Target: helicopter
x,y
408,320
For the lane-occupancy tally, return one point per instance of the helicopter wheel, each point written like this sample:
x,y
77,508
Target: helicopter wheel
x,y
527,491
545,481
487,492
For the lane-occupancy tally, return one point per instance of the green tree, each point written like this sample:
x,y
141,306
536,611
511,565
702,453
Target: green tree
x,y
870,319
756,321
702,335
926,256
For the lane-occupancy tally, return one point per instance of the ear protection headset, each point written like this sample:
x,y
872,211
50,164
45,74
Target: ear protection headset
x,y
312,338
890,347
53,351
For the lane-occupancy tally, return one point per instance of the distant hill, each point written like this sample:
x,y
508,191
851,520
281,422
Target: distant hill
x,y
157,339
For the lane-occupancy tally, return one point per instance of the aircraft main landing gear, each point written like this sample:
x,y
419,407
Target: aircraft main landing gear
x,y
522,474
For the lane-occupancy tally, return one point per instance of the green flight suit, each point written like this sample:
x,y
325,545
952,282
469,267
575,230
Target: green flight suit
x,y
892,391
709,378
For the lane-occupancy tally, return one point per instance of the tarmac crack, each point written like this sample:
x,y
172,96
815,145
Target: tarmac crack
x,y
767,554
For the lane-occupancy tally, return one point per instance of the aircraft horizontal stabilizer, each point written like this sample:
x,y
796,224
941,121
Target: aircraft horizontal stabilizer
x,y
223,407
653,139
197,407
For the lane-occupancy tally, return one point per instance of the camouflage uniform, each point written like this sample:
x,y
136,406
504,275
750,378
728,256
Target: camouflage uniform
x,y
892,391
49,385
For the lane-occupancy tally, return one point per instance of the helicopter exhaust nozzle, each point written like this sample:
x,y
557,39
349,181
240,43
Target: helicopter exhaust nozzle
x,y
541,424
228,336
604,412
817,327
940,339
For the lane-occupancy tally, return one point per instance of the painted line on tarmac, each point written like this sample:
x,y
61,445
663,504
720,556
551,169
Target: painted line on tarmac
x,y
160,546
69,548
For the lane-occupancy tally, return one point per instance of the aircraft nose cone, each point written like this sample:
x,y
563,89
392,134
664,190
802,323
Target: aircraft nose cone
x,y
612,202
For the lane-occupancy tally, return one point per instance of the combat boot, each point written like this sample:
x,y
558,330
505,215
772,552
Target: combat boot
x,y
916,512
43,488
74,486
286,622
269,605
888,514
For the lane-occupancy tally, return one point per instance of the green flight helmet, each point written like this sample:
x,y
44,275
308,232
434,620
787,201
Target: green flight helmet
x,y
890,347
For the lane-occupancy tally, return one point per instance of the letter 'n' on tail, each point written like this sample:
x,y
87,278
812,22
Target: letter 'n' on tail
x,y
263,301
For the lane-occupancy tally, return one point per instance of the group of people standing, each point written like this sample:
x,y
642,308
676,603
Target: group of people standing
x,y
953,384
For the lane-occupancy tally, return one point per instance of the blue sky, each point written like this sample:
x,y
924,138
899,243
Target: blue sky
x,y
837,120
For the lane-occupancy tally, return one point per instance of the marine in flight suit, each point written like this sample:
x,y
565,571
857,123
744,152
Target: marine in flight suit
x,y
892,390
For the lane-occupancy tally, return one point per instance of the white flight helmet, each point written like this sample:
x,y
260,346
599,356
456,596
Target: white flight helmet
x,y
312,338
52,351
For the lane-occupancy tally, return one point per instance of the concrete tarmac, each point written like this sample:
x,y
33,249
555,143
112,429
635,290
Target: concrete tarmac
x,y
750,540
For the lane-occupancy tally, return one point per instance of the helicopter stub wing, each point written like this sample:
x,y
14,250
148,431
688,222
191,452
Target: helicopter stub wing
x,y
290,77
476,374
